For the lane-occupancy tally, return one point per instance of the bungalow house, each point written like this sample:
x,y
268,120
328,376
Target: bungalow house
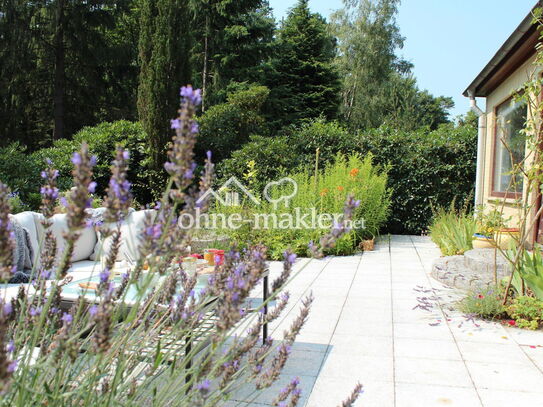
x,y
501,142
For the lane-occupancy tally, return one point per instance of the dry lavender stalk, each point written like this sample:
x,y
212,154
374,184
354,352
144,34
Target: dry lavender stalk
x,y
119,198
339,229
349,402
77,205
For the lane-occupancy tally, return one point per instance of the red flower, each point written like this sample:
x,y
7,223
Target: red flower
x,y
511,322
481,296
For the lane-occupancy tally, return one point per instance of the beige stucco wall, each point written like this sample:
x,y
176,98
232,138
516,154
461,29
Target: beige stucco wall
x,y
513,83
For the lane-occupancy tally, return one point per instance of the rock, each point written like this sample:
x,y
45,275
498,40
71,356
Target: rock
x,y
472,271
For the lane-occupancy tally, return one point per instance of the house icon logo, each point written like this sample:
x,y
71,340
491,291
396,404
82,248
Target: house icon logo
x,y
229,194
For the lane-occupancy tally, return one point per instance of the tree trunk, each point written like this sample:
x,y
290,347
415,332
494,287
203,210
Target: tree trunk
x,y
59,79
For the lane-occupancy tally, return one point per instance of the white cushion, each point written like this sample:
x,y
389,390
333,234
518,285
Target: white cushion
x,y
132,236
27,220
131,231
84,246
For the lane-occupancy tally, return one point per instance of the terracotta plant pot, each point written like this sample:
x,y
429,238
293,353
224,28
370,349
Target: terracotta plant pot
x,y
368,245
507,237
482,242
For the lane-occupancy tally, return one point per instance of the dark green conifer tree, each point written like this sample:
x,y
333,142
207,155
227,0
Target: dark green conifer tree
x,y
164,47
304,83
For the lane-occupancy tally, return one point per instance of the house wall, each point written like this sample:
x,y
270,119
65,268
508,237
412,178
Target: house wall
x,y
501,94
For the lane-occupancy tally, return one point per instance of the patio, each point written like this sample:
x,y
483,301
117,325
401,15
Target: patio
x,y
379,318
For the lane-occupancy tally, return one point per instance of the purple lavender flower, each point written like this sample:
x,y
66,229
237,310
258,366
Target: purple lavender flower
x,y
119,196
76,159
189,94
35,311
290,257
10,348
8,308
67,318
175,124
104,275
12,366
93,310
204,386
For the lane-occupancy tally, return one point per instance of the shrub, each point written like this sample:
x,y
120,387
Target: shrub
x,y
102,140
484,303
427,168
225,127
16,205
326,192
526,311
20,172
452,230
273,158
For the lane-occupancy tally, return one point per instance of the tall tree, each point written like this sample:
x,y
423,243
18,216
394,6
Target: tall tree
x,y
233,38
378,86
63,66
304,83
16,66
368,38
164,47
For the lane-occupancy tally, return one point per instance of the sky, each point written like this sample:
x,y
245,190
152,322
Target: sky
x,y
448,41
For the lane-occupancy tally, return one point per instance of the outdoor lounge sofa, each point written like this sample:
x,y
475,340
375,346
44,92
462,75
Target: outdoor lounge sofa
x,y
88,248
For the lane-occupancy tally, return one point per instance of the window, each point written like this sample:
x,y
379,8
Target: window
x,y
509,147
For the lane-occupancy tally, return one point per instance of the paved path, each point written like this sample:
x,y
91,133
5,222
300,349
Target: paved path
x,y
365,326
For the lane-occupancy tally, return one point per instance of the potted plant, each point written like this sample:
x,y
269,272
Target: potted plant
x,y
506,237
481,241
487,225
368,242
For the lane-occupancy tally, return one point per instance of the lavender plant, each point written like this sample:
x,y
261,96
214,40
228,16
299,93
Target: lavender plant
x,y
171,343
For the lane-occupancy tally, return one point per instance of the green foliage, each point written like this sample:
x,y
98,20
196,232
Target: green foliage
x,y
427,168
452,230
72,61
19,171
226,127
304,81
531,271
273,157
102,140
378,87
16,205
326,193
329,137
489,221
485,303
235,38
526,311
164,46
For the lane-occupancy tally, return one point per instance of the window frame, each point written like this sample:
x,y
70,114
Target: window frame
x,y
496,140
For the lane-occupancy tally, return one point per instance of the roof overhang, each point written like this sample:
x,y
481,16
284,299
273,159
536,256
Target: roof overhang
x,y
518,48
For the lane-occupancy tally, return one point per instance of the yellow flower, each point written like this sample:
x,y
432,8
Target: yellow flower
x,y
324,191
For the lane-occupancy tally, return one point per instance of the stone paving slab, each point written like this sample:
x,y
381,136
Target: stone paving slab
x,y
379,318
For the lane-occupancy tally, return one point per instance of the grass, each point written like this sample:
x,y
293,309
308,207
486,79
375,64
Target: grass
x,y
452,230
